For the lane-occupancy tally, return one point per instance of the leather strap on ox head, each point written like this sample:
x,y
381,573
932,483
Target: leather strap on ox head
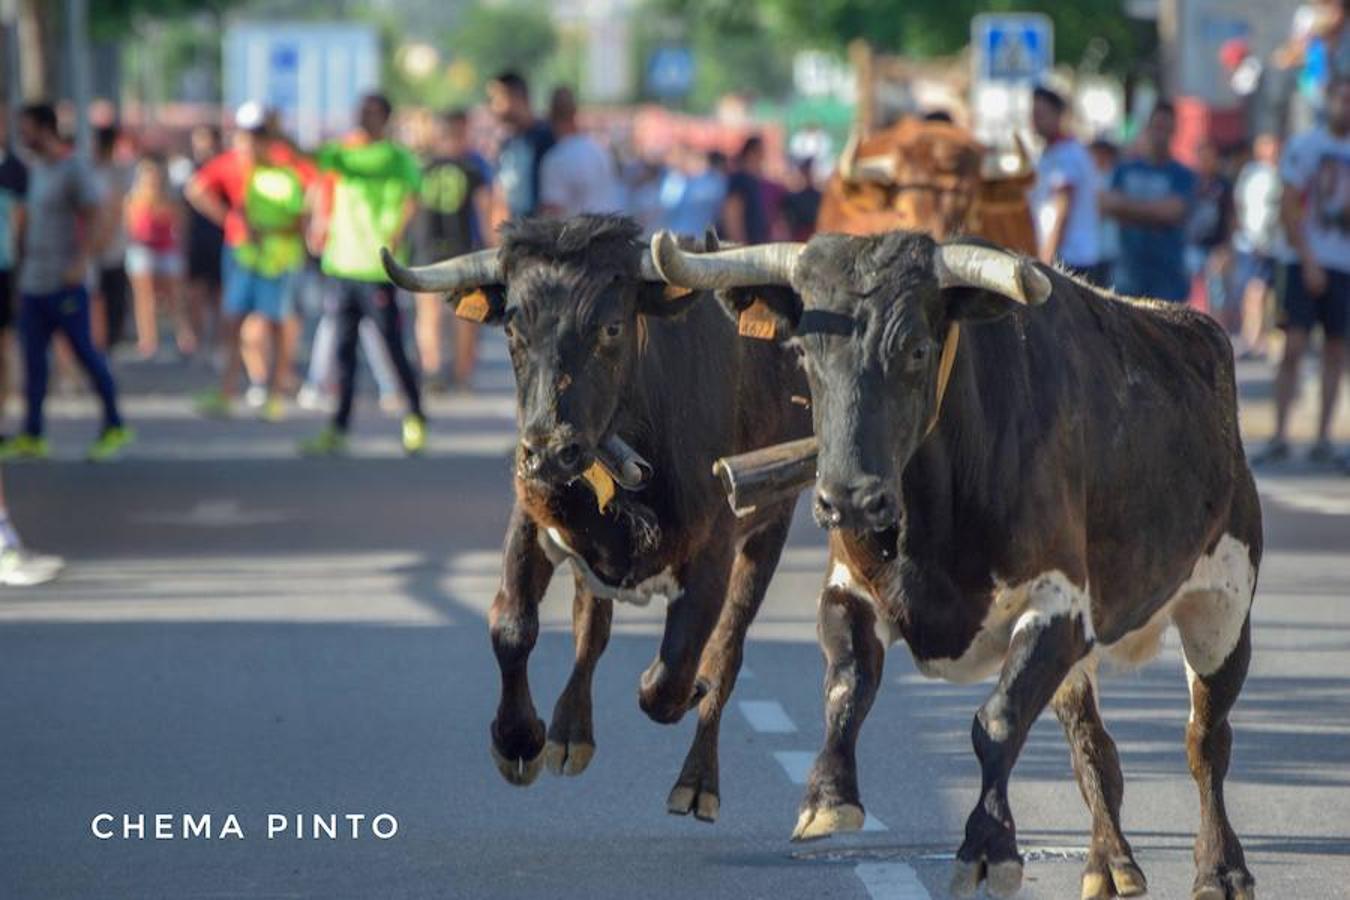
x,y
945,364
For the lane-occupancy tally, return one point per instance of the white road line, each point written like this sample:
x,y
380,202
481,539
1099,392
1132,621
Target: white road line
x,y
891,881
767,717
1307,498
796,763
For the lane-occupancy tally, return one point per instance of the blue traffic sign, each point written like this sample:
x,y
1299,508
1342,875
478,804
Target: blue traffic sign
x,y
1015,47
670,72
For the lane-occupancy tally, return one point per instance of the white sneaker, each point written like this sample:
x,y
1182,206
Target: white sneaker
x,y
24,568
313,399
255,396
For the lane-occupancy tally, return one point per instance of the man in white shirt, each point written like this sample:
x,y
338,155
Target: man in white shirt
x,y
1315,210
577,175
1064,200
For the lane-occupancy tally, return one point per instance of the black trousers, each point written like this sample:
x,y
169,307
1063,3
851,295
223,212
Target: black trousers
x,y
113,285
355,300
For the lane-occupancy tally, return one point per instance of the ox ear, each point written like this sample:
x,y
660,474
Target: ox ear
x,y
767,313
485,304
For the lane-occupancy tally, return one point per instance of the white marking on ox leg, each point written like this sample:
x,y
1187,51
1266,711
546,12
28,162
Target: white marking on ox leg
x,y
1015,607
841,577
767,716
891,881
1210,608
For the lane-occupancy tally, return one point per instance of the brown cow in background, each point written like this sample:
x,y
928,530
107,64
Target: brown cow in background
x,y
927,176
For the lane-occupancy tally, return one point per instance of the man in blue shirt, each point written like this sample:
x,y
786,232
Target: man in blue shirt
x,y
521,154
1151,198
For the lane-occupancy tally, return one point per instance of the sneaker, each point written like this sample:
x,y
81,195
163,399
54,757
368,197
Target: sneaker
x,y
414,434
255,396
215,405
111,443
1274,452
311,398
25,446
329,442
24,568
1322,452
274,410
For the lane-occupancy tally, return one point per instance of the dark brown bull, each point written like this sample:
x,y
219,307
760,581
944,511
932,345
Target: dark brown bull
x,y
1079,486
926,176
602,348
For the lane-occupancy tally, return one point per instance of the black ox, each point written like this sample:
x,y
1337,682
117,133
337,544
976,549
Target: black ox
x,y
598,353
1081,487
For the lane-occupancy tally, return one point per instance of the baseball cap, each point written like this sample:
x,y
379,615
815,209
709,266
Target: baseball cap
x,y
250,116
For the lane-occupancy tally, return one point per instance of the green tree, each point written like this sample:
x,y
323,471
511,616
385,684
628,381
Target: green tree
x,y
926,29
516,35
110,19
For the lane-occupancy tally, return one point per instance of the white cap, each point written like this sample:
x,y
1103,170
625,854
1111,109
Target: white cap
x,y
249,116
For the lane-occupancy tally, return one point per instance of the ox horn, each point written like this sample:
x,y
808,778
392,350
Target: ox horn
x,y
1024,165
647,270
855,169
990,269
723,269
460,273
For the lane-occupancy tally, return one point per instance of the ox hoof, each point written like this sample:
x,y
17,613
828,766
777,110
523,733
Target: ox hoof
x,y
966,878
520,772
1233,885
1004,879
684,800
1001,879
1097,886
1128,879
568,758
816,823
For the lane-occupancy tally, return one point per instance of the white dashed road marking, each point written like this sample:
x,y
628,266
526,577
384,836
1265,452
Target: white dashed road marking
x,y
767,717
891,881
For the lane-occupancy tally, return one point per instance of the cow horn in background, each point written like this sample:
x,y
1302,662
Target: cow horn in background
x,y
1024,165
461,273
990,269
740,267
856,169
849,157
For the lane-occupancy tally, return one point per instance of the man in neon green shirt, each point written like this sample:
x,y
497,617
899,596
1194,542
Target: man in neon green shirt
x,y
373,198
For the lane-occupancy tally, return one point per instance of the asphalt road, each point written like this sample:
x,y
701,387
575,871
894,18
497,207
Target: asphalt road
x,y
243,632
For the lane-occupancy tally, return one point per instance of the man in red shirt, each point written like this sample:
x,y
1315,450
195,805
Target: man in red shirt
x,y
218,191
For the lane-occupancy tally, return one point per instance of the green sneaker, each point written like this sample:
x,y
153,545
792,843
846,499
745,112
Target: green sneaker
x,y
25,446
273,410
414,434
215,405
329,442
110,443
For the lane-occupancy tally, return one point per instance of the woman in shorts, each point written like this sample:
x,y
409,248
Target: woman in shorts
x,y
154,258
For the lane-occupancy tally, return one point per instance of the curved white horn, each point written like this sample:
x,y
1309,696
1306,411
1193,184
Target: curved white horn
x,y
970,265
849,157
646,268
460,273
739,267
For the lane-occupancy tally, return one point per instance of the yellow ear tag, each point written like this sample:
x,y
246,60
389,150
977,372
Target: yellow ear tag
x,y
675,292
473,306
757,321
601,483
